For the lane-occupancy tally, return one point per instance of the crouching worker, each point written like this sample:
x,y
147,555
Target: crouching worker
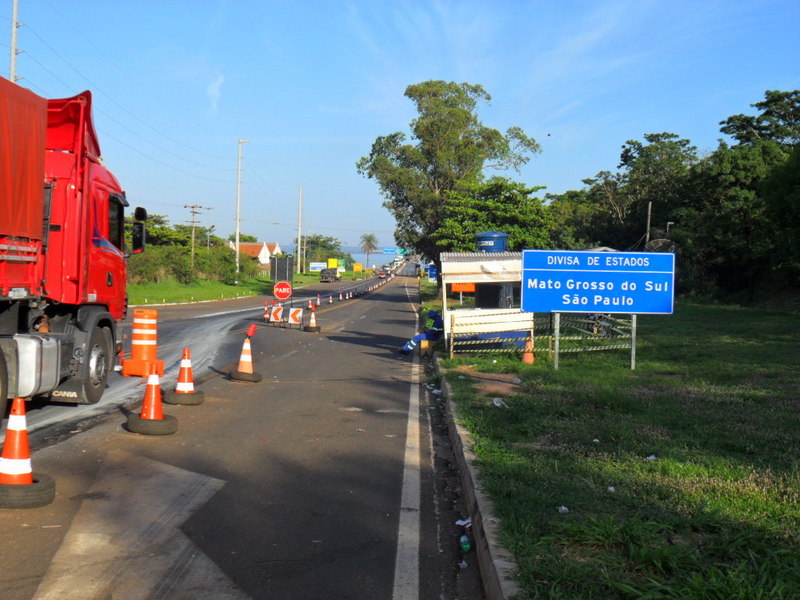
x,y
433,333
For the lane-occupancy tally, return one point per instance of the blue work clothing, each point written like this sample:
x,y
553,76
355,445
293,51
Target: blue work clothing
x,y
434,333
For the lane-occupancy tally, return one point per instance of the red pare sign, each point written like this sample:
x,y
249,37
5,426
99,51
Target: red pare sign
x,y
282,290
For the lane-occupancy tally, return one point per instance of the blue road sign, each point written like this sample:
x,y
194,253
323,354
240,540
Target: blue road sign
x,y
390,250
598,282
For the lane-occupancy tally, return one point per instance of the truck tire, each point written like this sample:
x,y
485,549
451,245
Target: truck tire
x,y
100,353
39,493
3,385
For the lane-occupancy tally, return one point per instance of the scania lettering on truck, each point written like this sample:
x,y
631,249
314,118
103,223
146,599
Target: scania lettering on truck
x,y
62,250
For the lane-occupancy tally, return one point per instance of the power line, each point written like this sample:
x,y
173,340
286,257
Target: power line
x,y
99,52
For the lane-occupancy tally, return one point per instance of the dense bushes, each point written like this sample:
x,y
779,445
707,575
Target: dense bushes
x,y
174,263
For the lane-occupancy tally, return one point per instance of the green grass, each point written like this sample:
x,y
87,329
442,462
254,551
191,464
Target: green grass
x,y
681,478
169,292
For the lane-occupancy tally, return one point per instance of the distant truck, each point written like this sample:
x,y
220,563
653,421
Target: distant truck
x,y
62,250
329,275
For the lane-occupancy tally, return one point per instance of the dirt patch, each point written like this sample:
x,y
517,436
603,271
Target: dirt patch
x,y
492,384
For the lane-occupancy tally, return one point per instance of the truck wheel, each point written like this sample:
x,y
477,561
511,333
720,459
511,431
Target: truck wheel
x,y
100,356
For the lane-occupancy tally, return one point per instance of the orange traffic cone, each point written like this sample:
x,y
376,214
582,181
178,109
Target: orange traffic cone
x,y
19,488
244,372
312,322
152,420
310,304
527,355
318,300
340,295
15,463
184,392
330,299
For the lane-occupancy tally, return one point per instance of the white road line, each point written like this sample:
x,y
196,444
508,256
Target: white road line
x,y
406,568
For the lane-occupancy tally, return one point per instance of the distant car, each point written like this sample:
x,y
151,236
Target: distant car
x,y
329,275
382,275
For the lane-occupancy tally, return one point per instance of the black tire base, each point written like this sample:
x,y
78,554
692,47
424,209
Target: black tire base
x,y
173,397
240,376
166,426
33,495
314,328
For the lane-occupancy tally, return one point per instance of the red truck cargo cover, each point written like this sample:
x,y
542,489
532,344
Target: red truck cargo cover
x,y
23,121
70,127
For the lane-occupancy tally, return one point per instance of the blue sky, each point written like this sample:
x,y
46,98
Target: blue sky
x,y
311,84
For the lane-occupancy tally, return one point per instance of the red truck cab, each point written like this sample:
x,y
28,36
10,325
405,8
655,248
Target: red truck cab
x,y
62,250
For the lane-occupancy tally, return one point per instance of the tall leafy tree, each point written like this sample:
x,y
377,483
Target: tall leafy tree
x,y
576,220
322,247
725,229
449,149
778,121
497,204
781,190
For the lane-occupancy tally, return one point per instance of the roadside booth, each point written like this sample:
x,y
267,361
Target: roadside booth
x,y
496,277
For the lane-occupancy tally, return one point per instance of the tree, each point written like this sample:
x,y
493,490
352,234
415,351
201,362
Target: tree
x,y
575,220
498,204
451,149
161,233
243,238
726,230
368,243
779,120
781,190
322,247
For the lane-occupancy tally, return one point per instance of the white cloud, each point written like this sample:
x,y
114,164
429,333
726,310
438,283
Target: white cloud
x,y
214,93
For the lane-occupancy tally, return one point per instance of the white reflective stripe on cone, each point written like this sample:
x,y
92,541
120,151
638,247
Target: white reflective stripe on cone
x,y
15,466
184,386
16,423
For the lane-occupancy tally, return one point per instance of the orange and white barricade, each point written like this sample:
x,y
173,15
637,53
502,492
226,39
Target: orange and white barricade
x,y
144,345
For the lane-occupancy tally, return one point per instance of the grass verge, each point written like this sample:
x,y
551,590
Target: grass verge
x,y
680,479
169,292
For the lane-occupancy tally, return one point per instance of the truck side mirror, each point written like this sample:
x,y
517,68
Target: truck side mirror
x,y
140,213
138,237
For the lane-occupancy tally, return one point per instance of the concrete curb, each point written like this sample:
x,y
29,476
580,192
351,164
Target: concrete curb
x,y
497,565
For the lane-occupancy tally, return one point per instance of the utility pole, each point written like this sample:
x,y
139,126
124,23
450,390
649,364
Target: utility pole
x,y
195,209
12,70
299,251
238,203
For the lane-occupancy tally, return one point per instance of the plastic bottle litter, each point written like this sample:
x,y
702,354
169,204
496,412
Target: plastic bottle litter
x,y
466,545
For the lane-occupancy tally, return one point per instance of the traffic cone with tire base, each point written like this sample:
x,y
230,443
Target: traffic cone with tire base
x,y
184,392
312,322
152,420
244,372
20,487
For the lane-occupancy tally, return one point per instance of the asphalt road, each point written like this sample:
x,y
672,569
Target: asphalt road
x,y
318,482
